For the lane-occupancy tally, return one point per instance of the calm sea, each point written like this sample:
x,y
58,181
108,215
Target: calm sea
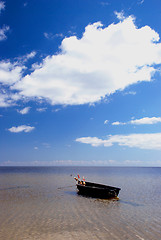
x,y
42,203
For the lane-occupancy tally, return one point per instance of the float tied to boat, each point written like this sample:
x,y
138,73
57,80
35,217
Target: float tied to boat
x,y
95,189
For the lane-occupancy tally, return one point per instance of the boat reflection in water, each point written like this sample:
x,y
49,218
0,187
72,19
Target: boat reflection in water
x,y
96,190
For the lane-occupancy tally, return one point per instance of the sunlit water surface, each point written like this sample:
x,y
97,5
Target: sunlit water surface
x,y
42,203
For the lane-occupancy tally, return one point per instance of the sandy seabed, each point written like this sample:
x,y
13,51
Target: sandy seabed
x,y
35,207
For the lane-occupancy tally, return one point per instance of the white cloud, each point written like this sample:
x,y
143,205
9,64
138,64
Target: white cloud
x,y
142,141
94,141
10,72
141,121
46,145
52,36
4,100
132,162
120,15
140,2
56,110
129,93
46,35
26,57
3,31
81,163
31,55
2,6
146,120
106,121
22,128
87,70
8,99
104,60
118,123
41,109
24,110
104,3
60,163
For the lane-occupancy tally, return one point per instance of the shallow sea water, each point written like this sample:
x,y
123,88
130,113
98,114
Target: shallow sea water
x,y
42,203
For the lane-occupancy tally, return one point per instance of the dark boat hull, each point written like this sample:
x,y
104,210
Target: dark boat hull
x,y
97,190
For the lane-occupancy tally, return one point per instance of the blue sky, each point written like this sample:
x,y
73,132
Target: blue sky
x,y
80,83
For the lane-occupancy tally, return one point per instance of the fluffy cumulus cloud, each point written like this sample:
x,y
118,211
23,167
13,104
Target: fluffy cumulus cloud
x,y
5,100
142,141
104,60
141,121
87,70
10,73
22,128
8,99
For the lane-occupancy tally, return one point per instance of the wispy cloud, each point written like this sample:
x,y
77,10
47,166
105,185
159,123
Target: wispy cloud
x,y
30,55
120,15
25,58
142,141
46,145
140,2
3,32
24,110
129,93
52,36
2,6
141,121
4,29
41,109
56,110
22,128
25,4
110,162
103,3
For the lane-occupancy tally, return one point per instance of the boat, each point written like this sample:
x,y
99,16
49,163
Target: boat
x,y
96,190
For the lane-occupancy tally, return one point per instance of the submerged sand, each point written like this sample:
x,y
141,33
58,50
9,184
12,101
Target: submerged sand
x,y
43,207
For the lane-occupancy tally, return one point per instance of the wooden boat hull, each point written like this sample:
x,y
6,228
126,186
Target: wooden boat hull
x,y
97,190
